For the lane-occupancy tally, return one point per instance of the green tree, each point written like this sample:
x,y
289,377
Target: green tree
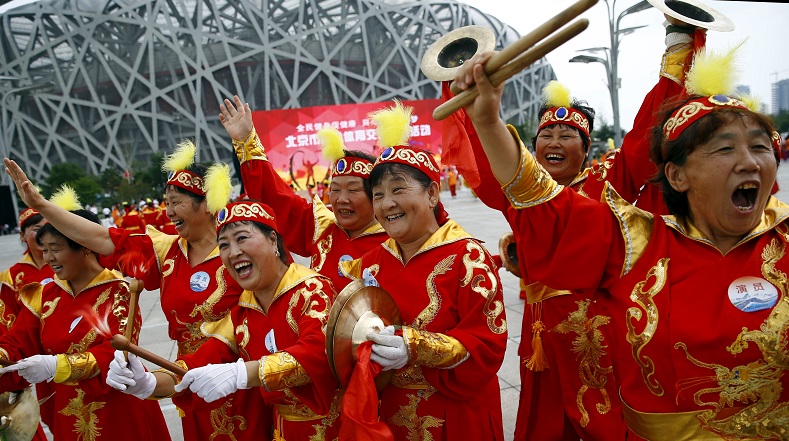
x,y
87,189
782,121
61,173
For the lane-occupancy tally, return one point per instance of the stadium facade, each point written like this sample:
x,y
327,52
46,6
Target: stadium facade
x,y
103,83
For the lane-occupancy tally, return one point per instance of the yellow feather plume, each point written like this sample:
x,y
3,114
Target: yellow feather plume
x,y
217,187
333,145
713,73
393,124
66,198
556,94
753,102
181,158
611,145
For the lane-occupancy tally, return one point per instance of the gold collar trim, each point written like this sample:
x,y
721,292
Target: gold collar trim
x,y
447,233
103,277
774,213
295,275
580,177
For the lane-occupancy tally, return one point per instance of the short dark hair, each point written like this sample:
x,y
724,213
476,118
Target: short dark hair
x,y
697,133
50,229
580,106
266,230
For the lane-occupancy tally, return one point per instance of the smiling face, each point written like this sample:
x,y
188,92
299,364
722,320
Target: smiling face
x,y
727,180
250,255
29,237
560,151
404,207
66,262
192,220
352,207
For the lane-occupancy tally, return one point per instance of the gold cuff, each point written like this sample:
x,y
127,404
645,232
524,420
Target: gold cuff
x,y
672,65
432,349
249,148
532,185
71,368
280,371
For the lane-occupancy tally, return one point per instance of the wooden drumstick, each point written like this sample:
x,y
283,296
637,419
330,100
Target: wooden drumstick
x,y
509,53
135,287
122,343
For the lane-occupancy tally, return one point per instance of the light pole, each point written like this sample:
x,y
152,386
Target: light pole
x,y
611,55
4,149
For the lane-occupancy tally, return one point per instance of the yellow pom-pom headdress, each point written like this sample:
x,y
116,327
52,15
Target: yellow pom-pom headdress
x,y
560,109
217,187
66,198
342,164
176,165
393,126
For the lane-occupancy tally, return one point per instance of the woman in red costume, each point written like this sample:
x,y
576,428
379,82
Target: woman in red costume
x,y
697,298
329,236
193,284
53,342
270,350
445,285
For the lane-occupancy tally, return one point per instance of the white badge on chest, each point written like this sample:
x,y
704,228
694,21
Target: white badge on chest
x,y
271,342
750,294
199,281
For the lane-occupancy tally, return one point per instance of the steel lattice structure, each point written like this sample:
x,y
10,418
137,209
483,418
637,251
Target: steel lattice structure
x,y
134,77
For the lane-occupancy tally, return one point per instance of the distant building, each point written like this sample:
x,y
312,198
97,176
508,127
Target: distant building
x,y
780,96
130,79
743,90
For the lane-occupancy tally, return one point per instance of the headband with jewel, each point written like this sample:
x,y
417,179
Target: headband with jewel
x,y
249,211
710,83
560,109
176,166
333,149
393,126
26,214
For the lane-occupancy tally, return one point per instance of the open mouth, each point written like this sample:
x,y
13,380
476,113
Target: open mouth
x,y
394,217
744,197
56,268
178,223
243,269
554,158
345,212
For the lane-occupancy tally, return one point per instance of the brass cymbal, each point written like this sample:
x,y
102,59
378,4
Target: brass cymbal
x,y
358,310
449,52
20,415
695,13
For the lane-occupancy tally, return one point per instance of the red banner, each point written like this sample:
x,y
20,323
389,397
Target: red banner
x,y
289,135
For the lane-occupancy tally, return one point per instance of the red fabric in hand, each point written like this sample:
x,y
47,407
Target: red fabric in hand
x,y
359,416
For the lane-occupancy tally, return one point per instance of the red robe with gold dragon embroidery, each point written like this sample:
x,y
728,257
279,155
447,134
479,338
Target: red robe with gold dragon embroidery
x,y
51,322
290,335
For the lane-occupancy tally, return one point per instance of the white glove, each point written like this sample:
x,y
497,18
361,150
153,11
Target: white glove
x,y
131,377
35,369
215,381
388,349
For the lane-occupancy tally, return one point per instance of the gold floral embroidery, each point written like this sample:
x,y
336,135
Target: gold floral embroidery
x,y
191,338
431,310
682,116
281,370
49,308
243,329
588,346
206,309
433,350
167,267
328,420
311,308
638,341
407,416
6,321
493,308
223,424
86,426
600,171
120,307
83,344
754,389
410,377
323,249
20,276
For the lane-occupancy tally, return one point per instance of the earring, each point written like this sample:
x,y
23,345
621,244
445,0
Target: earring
x,y
276,252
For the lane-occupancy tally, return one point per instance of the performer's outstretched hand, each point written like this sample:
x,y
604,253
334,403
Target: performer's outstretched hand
x,y
215,381
237,119
388,349
131,377
35,369
27,191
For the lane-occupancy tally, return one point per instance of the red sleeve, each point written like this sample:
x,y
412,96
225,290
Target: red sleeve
x,y
310,349
567,241
137,250
629,170
481,330
22,341
294,213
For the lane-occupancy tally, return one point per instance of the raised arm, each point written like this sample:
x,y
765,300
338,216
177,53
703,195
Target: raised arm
x,y
88,234
499,145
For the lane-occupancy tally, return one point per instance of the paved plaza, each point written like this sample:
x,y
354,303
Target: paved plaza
x,y
469,212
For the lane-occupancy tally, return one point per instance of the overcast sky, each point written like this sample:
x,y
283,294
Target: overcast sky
x,y
765,55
